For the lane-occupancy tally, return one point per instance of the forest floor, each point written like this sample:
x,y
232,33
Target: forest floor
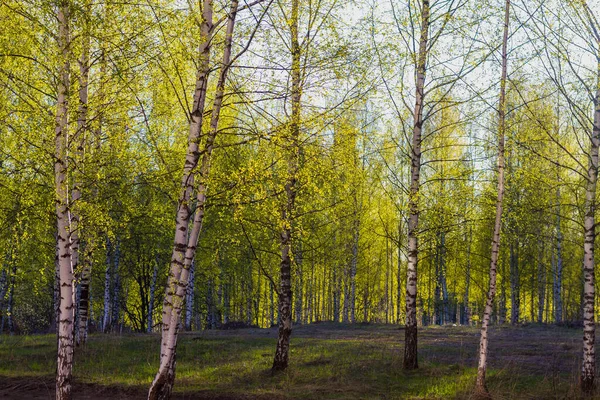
x,y
327,361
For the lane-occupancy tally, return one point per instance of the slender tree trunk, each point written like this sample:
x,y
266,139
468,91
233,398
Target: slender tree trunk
x,y
107,280
189,300
115,297
541,275
272,308
151,296
354,262
65,329
280,361
346,304
399,274
588,366
3,290
336,294
82,127
11,295
56,294
84,299
481,388
443,274
299,283
387,280
210,306
410,339
557,283
184,249
515,286
502,300
467,309
437,318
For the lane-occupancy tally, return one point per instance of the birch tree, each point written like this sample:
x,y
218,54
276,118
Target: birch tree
x,y
292,148
480,386
66,319
195,178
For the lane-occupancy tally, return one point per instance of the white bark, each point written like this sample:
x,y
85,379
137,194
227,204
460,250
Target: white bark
x,y
107,280
65,328
184,249
483,343
410,332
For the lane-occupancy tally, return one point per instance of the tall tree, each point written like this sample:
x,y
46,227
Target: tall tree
x,y
410,338
588,365
292,148
480,387
184,248
65,327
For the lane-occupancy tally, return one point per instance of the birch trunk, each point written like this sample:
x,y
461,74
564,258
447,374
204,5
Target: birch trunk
x,y
107,280
82,127
515,289
354,262
65,327
588,366
280,361
84,299
480,387
399,273
541,273
557,283
299,283
502,300
115,297
272,308
410,339
467,309
191,161
444,284
184,249
336,295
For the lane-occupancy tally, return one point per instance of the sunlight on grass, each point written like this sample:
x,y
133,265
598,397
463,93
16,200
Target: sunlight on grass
x,y
345,366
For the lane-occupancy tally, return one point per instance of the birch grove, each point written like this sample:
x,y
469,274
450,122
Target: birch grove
x,y
343,168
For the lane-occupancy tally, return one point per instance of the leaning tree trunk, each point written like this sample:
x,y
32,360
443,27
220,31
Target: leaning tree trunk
x,y
481,388
410,333
65,327
280,361
184,249
588,366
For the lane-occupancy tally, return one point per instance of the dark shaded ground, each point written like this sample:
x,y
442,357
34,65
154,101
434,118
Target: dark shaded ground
x,y
327,361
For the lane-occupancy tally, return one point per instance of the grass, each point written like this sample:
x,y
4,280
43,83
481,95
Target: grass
x,y
327,361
